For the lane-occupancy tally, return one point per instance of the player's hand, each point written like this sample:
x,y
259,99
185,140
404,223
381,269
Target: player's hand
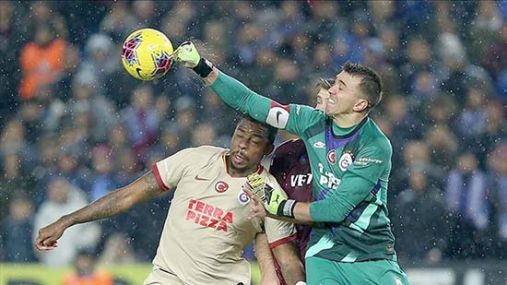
x,y
255,183
257,208
49,235
186,54
275,200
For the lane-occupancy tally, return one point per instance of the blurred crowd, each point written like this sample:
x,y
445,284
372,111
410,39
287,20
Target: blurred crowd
x,y
74,125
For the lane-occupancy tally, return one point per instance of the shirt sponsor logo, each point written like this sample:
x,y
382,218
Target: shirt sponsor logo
x,y
243,198
331,156
319,144
278,116
221,187
300,180
345,161
364,161
327,178
208,215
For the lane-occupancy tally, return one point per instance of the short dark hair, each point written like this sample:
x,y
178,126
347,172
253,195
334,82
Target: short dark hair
x,y
272,131
371,83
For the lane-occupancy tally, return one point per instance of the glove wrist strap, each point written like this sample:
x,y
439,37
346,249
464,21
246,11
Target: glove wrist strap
x,y
203,68
286,208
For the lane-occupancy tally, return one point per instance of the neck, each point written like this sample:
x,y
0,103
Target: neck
x,y
234,172
348,120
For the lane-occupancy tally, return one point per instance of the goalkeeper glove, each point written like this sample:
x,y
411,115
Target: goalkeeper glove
x,y
186,54
275,200
277,203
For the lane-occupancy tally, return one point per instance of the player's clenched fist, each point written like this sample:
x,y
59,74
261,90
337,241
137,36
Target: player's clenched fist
x,y
49,235
188,56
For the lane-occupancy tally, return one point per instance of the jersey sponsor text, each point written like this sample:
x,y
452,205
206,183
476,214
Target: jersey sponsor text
x,y
208,215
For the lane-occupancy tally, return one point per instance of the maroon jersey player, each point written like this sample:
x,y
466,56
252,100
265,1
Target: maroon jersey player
x,y
291,168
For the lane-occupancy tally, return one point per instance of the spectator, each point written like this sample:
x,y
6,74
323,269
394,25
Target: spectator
x,y
86,272
63,198
119,22
103,177
117,250
421,215
141,119
99,63
17,231
497,163
204,134
41,60
467,200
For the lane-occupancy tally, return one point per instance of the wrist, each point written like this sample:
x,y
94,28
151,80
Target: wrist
x,y
203,68
286,208
66,221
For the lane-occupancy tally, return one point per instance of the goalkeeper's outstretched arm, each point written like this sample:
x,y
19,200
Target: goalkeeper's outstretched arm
x,y
231,91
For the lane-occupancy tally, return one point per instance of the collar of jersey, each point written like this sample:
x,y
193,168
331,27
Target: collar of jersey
x,y
348,132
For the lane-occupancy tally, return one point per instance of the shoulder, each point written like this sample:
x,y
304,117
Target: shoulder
x,y
203,151
376,139
309,114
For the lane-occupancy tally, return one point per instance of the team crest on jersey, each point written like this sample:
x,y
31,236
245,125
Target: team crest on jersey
x,y
243,198
331,156
397,281
221,186
345,161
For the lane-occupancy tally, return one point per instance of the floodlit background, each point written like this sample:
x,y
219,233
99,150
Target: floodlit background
x,y
74,125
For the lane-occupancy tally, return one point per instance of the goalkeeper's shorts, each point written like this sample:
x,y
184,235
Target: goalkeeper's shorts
x,y
320,271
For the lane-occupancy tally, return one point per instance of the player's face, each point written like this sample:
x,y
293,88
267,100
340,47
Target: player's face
x,y
322,98
249,144
344,95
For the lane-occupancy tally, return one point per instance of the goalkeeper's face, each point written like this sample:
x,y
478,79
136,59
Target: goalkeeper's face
x,y
249,144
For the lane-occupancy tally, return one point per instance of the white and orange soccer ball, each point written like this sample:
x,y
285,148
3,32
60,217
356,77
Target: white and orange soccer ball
x,y
147,54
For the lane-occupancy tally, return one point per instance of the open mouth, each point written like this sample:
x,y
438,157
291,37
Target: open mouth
x,y
239,158
332,101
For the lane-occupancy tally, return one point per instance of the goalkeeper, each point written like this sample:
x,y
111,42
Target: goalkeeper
x,y
350,158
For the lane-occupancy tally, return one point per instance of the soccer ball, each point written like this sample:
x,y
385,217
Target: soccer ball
x,y
146,54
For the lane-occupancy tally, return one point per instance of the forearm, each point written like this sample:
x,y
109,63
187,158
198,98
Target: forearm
x,y
293,271
265,260
301,215
116,202
290,264
110,205
239,97
337,206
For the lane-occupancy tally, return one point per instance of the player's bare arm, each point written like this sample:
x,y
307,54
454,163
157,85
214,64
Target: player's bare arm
x,y
114,203
265,260
290,264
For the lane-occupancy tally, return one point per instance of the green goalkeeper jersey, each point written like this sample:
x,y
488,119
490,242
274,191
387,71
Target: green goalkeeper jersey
x,y
350,173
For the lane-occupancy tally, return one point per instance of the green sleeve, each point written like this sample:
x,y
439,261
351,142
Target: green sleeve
x,y
239,97
370,170
294,118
